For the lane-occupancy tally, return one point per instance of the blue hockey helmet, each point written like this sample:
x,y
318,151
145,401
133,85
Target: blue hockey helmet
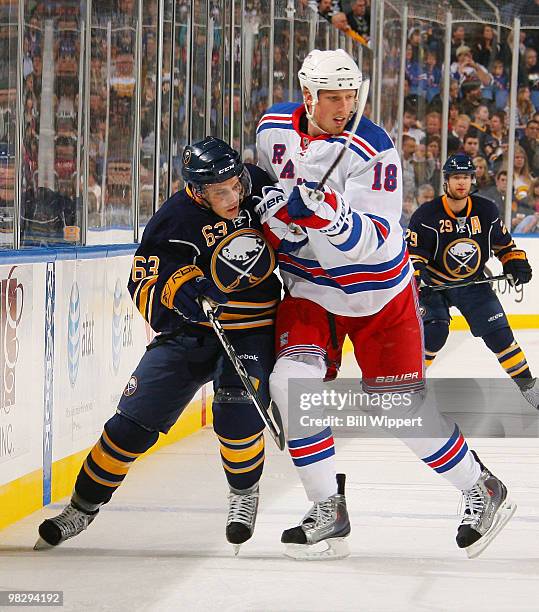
x,y
458,164
210,161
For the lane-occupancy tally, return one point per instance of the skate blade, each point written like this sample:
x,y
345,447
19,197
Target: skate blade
x,y
236,549
333,548
42,545
505,512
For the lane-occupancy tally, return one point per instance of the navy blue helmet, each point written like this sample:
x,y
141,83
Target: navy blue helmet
x,y
458,164
210,161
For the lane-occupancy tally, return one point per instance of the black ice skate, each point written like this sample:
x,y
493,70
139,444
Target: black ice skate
x,y
69,523
325,524
487,509
243,507
529,387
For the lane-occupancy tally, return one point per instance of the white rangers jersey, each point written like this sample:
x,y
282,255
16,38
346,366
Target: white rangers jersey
x,y
360,276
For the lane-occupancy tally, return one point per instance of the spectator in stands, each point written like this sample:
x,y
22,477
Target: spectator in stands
x,y
425,193
455,140
471,97
424,166
454,91
482,177
411,126
487,49
530,143
340,22
471,144
408,209
453,115
481,118
434,147
521,173
413,70
359,18
500,81
527,215
524,106
432,74
457,40
433,125
497,192
497,126
465,69
409,146
493,153
531,69
414,39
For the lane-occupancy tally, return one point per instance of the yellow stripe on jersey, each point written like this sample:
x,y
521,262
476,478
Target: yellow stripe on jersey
x,y
146,284
232,316
253,304
247,325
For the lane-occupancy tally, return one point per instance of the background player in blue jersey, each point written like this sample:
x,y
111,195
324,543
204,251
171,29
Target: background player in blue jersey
x,y
207,241
450,240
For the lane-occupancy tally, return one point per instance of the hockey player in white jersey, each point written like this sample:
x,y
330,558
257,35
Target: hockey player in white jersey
x,y
346,269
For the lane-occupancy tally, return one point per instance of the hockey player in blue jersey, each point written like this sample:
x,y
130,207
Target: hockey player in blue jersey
x,y
450,239
205,241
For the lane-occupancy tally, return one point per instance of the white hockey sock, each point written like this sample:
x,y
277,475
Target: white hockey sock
x,y
450,458
314,457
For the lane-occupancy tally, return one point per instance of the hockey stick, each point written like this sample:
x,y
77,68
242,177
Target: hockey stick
x,y
362,100
269,414
491,279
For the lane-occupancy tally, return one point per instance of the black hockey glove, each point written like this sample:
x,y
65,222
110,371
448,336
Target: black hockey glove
x,y
516,264
423,282
184,289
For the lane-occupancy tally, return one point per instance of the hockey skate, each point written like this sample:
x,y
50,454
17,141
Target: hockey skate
x,y
322,532
529,387
486,512
243,507
69,523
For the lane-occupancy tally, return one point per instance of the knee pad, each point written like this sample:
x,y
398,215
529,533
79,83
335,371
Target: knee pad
x,y
499,339
436,333
234,414
297,366
128,435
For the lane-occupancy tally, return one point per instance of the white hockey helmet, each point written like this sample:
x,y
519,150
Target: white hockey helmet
x,y
331,70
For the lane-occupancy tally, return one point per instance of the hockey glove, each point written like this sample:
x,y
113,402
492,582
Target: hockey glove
x,y
282,233
516,265
321,210
423,282
184,289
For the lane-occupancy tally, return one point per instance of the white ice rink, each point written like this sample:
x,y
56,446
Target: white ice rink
x,y
160,546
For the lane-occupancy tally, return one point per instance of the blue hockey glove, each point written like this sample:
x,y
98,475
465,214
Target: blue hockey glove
x,y
184,289
424,282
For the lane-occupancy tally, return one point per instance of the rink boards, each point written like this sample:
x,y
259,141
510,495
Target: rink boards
x,y
70,337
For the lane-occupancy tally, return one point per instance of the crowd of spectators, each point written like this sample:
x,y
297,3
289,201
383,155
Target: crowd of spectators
x,y
478,114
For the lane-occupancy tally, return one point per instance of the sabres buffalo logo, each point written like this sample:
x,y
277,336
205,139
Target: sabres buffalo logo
x,y
241,261
462,258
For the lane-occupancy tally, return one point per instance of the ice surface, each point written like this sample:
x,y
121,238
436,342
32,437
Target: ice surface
x,y
159,545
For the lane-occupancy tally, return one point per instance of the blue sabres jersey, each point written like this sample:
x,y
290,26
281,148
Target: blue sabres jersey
x,y
232,253
456,247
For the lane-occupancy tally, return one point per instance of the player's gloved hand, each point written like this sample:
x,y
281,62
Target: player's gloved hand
x,y
321,210
516,264
185,288
424,282
280,230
